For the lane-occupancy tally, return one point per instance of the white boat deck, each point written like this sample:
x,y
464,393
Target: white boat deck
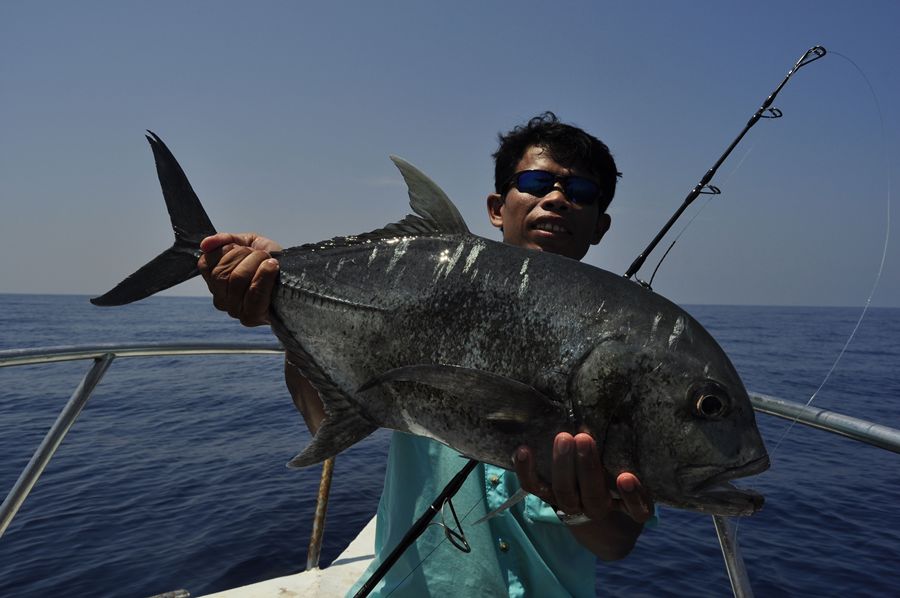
x,y
333,581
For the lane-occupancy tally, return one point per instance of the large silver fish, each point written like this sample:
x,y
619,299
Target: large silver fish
x,y
425,328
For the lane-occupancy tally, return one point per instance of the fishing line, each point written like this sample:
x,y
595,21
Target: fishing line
x,y
704,186
697,213
887,235
436,546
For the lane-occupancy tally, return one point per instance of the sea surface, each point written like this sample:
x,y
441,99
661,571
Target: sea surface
x,y
174,476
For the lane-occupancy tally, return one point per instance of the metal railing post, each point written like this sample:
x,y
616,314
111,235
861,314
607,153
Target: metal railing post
x,y
318,530
52,440
734,562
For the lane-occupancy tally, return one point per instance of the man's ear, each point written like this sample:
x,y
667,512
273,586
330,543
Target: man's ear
x,y
495,209
603,223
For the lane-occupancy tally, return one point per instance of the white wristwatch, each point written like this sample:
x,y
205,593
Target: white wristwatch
x,y
573,520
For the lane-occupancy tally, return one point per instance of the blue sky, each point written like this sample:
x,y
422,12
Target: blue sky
x,y
283,115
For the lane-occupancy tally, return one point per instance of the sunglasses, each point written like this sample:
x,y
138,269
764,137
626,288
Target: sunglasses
x,y
539,183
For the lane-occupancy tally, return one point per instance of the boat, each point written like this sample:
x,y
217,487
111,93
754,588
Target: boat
x,y
337,578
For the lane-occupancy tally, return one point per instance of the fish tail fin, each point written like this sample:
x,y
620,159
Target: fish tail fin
x,y
190,223
335,435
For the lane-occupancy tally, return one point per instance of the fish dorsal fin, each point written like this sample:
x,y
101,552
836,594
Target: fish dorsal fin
x,y
434,213
429,201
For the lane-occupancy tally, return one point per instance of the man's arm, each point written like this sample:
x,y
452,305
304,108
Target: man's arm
x,y
579,487
306,398
241,274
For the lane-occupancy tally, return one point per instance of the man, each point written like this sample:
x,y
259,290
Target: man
x,y
553,184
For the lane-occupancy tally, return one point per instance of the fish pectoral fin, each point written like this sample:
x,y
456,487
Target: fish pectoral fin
x,y
512,421
519,416
499,399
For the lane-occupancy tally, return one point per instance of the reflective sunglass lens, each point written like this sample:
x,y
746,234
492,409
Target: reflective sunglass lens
x,y
535,182
539,183
581,190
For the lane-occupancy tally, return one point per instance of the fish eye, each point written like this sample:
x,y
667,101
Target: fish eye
x,y
709,400
710,406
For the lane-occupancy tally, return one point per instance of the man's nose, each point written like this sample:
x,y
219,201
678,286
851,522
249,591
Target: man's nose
x,y
556,199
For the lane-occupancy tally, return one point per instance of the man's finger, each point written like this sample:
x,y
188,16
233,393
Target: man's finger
x,y
208,262
220,279
255,310
218,240
634,498
246,263
526,470
595,497
205,265
565,484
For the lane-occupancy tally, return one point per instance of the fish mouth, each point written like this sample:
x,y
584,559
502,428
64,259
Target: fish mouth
x,y
716,494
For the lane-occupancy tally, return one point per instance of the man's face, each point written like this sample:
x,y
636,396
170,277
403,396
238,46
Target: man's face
x,y
550,223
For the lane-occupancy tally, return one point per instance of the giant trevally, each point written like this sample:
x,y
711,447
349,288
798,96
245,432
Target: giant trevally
x,y
423,327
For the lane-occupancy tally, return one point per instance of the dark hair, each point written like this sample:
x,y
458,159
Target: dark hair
x,y
570,146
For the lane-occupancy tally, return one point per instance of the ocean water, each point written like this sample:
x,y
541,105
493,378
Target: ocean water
x,y
174,476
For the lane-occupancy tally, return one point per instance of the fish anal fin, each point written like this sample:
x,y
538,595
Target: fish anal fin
x,y
335,435
345,423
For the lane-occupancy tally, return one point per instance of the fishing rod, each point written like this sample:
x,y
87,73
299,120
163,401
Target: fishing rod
x,y
734,564
704,186
419,527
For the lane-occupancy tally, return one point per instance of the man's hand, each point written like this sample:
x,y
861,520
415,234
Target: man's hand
x,y
240,273
579,486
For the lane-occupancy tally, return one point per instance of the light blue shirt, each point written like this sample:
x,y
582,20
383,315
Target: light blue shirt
x,y
525,551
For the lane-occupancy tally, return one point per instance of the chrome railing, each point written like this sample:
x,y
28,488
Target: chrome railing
x,y
830,421
73,353
104,354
